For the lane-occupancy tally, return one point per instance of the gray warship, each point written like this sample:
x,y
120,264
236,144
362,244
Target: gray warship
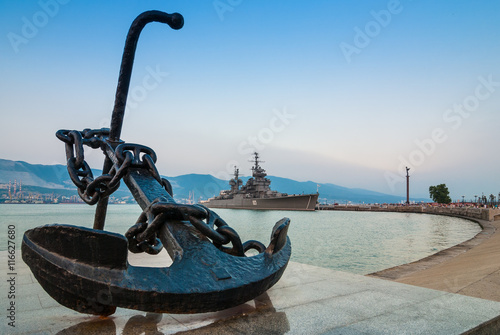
x,y
256,194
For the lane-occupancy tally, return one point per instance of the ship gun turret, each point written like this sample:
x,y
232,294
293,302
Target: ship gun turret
x,y
87,269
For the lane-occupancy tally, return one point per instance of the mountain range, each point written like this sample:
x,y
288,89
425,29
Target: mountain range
x,y
55,179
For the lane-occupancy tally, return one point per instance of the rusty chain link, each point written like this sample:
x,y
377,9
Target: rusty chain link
x,y
142,236
91,189
133,152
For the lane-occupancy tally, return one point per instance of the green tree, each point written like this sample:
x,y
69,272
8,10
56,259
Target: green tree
x,y
440,194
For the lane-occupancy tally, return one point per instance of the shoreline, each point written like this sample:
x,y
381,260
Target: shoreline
x,y
471,268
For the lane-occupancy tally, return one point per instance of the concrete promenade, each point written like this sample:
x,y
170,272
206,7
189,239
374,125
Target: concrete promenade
x,y
471,268
307,300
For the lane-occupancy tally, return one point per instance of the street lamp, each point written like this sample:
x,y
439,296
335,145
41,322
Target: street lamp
x,y
407,186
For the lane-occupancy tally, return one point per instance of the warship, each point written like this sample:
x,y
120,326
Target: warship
x,y
257,194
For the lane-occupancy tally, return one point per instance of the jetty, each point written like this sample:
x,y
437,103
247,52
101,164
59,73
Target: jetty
x,y
486,214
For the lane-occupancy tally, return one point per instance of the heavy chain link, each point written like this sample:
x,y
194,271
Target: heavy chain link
x,y
142,236
92,189
132,152
89,189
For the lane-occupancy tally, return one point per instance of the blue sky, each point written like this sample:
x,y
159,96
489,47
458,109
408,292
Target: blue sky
x,y
346,92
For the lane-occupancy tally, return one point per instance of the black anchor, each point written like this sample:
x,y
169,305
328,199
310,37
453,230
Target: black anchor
x,y
87,269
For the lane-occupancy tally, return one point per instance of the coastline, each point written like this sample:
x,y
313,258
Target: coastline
x,y
471,268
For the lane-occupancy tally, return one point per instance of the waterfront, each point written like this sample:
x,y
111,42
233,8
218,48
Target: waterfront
x,y
357,242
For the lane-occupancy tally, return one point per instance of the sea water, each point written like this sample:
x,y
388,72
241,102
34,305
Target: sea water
x,y
357,242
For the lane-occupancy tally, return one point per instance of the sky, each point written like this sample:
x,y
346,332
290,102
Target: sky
x,y
342,92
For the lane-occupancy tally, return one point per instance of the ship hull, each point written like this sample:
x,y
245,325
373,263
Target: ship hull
x,y
303,202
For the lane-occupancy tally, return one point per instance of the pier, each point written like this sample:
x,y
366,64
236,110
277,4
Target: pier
x,y
487,214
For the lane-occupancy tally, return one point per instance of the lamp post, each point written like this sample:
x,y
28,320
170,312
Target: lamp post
x,y
407,186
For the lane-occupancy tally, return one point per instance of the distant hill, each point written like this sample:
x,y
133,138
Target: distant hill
x,y
55,179
48,176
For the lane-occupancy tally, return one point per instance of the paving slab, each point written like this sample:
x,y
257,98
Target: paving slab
x,y
307,300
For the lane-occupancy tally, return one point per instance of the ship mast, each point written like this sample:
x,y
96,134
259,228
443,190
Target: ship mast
x,y
235,182
236,173
236,179
256,169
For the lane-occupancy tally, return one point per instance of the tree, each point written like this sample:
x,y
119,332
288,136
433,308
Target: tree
x,y
440,194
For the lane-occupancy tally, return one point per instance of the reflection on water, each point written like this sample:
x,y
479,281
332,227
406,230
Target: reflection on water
x,y
358,242
96,326
260,319
263,319
137,324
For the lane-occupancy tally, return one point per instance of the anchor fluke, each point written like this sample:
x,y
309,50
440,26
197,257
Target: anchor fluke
x,y
278,236
67,259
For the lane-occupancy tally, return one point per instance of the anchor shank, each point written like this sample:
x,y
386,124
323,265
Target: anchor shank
x,y
145,188
175,21
175,235
102,204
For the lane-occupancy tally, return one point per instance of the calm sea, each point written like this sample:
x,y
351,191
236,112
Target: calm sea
x,y
358,242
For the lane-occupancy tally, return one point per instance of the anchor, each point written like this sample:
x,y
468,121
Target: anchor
x,y
87,269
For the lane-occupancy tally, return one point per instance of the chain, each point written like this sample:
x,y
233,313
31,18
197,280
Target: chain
x,y
89,189
133,153
142,236
92,189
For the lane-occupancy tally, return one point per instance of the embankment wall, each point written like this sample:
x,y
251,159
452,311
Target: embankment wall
x,y
487,214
